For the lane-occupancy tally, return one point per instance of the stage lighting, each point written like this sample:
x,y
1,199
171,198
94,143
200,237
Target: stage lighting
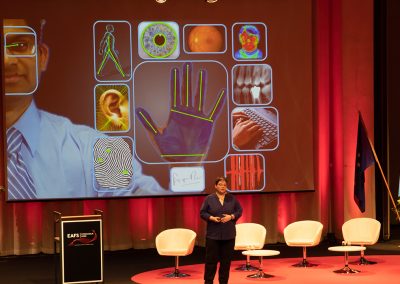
x,y
161,1
211,1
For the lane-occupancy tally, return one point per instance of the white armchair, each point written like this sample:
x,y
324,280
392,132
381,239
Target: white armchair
x,y
363,232
176,242
249,236
303,234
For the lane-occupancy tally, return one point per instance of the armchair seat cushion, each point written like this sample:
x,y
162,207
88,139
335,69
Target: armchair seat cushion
x,y
300,243
173,252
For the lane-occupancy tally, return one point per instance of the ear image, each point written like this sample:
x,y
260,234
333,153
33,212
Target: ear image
x,y
110,102
44,54
112,111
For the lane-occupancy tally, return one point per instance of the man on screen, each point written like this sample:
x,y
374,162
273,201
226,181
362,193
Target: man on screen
x,y
48,155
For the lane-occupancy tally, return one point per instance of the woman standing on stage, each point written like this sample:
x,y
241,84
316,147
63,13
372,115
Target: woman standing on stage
x,y
220,210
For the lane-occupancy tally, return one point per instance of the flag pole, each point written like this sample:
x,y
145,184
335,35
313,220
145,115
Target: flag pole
x,y
384,178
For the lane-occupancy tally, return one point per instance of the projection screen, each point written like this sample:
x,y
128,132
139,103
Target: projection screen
x,y
128,98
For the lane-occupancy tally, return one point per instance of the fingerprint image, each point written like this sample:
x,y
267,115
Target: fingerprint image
x,y
245,172
159,40
113,162
252,84
112,108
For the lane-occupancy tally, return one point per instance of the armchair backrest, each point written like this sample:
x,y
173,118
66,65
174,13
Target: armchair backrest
x,y
250,236
178,239
361,231
306,231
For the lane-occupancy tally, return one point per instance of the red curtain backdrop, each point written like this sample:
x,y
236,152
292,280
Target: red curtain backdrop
x,y
343,76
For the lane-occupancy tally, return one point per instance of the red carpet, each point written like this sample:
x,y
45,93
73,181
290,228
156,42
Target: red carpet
x,y
387,271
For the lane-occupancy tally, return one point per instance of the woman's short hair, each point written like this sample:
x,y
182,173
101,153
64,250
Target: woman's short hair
x,y
218,179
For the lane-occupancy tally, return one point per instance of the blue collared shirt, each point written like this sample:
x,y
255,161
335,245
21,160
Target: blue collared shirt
x,y
59,157
212,207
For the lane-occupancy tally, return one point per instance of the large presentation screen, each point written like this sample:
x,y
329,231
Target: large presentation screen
x,y
128,98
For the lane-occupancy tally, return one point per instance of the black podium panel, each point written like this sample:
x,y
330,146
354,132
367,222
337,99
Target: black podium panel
x,y
81,250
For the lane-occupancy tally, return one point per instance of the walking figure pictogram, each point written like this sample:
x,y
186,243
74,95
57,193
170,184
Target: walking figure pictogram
x,y
107,49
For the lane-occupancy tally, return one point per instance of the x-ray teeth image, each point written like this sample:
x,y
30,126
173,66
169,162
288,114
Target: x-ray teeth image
x,y
252,84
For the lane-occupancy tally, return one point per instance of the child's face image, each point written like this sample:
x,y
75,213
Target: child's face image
x,y
249,41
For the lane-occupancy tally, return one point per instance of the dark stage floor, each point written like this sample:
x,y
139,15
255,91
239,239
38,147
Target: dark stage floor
x,y
120,266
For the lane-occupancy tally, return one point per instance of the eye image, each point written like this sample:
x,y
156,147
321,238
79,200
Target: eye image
x,y
20,44
205,38
158,40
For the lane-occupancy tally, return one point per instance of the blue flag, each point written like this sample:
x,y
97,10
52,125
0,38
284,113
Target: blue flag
x,y
364,159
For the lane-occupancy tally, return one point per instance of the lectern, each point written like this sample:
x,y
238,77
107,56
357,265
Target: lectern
x,y
79,241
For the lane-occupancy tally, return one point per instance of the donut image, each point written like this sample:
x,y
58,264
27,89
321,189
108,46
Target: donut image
x,y
159,40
